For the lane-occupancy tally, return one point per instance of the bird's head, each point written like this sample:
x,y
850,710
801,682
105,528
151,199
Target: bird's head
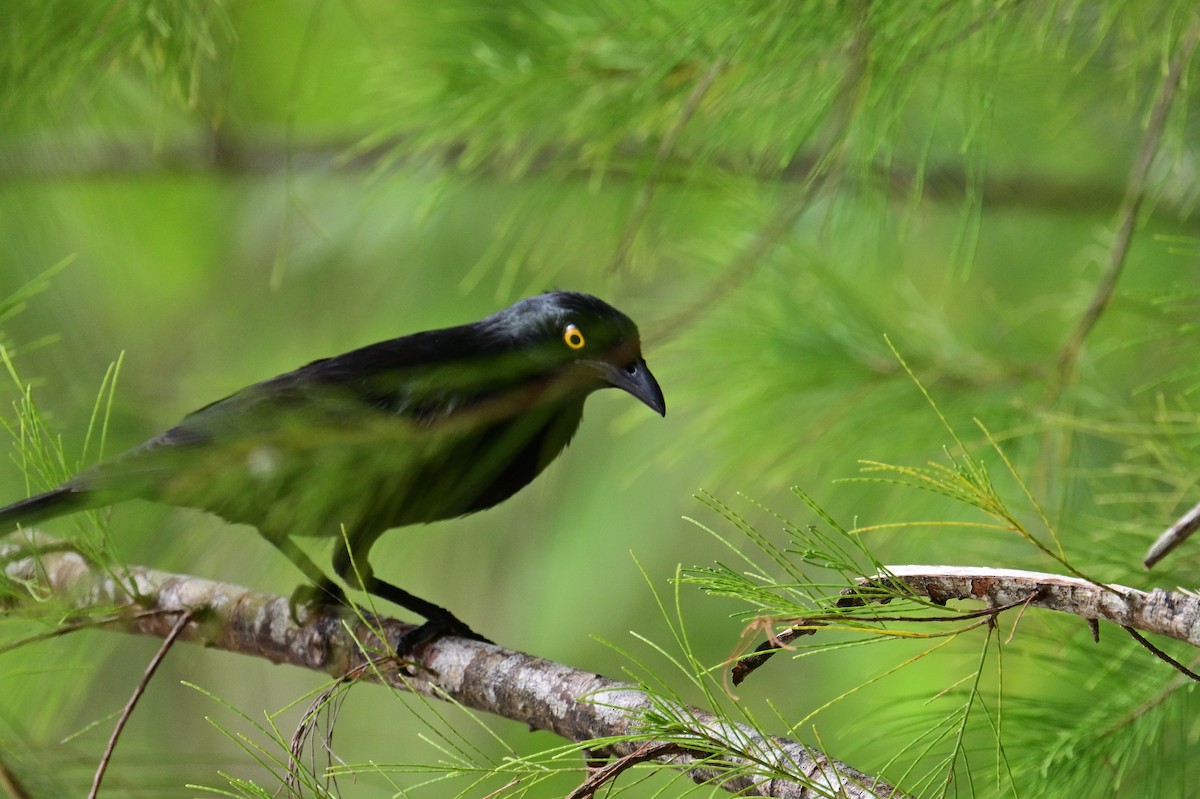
x,y
586,338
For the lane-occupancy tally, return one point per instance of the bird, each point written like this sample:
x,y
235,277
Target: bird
x,y
430,426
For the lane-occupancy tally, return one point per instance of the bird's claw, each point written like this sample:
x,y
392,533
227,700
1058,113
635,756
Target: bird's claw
x,y
430,631
307,599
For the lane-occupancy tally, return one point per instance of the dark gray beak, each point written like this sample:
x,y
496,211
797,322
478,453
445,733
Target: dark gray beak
x,y
637,380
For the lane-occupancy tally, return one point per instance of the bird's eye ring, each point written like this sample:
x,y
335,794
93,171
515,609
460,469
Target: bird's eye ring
x,y
574,337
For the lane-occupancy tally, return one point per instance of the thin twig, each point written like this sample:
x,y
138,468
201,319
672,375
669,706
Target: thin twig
x,y
651,750
1135,193
665,147
68,627
1020,615
807,626
969,30
305,729
184,618
514,782
850,97
1175,535
1161,655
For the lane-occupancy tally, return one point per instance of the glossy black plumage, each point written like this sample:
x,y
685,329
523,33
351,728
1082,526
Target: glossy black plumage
x,y
429,426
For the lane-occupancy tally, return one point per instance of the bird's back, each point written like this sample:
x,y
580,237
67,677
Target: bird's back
x,y
312,451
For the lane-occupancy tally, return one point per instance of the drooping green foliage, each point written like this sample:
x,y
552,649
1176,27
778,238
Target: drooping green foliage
x,y
59,53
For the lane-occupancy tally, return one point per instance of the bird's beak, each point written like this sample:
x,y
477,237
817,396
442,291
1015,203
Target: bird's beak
x,y
637,380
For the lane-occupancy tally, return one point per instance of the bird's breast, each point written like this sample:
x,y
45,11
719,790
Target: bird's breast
x,y
509,456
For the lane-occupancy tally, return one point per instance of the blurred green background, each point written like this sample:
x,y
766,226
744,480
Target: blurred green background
x,y
767,188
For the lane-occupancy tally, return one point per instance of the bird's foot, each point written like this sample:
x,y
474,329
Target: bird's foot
x,y
430,631
307,599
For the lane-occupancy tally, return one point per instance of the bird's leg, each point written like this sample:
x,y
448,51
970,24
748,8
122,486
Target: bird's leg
x,y
321,590
355,569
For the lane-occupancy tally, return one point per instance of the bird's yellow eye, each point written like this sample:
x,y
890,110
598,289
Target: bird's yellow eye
x,y
573,336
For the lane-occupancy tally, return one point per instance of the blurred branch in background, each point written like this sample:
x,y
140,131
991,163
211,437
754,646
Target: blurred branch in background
x,y
25,158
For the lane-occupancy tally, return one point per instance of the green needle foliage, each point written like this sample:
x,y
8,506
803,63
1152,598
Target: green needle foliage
x,y
962,735
55,51
41,456
776,191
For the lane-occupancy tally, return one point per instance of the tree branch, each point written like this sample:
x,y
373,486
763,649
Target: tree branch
x,y
574,704
1172,614
1175,615
265,154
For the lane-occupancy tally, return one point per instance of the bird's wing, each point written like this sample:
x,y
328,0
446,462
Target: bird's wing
x,y
305,457
360,400
292,415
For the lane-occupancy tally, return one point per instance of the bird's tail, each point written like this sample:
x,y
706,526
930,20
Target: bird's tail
x,y
62,500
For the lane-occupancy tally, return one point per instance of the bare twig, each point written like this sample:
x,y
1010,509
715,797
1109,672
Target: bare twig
x,y
1163,656
1175,535
651,750
850,97
976,25
1135,193
184,618
72,626
305,730
748,664
810,624
577,705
